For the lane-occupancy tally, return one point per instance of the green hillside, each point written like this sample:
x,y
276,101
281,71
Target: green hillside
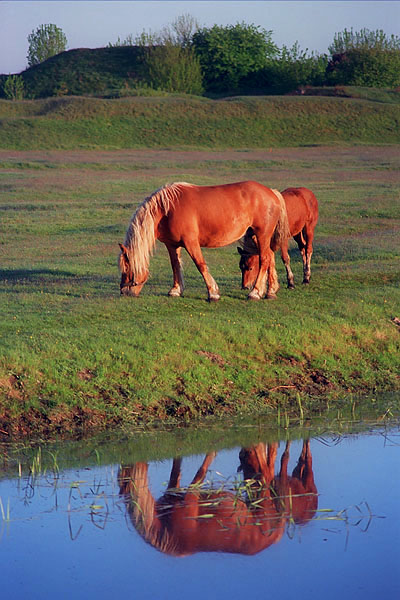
x,y
84,71
184,121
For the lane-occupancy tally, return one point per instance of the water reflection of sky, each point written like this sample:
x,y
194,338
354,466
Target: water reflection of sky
x,y
325,559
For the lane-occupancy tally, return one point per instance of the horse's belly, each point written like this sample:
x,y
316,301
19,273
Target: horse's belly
x,y
212,236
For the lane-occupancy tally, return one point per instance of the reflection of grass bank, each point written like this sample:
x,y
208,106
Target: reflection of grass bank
x,y
74,353
127,445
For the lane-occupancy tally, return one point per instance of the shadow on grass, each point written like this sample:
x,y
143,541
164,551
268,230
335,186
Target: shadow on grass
x,y
52,281
33,274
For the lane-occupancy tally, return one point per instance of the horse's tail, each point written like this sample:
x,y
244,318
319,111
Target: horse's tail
x,y
282,230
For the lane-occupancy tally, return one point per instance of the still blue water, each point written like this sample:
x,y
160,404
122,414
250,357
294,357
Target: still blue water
x,y
71,535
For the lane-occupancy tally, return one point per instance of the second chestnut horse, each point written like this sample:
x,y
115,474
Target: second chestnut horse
x,y
302,211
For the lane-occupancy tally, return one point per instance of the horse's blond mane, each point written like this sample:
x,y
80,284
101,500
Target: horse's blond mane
x,y
140,236
143,511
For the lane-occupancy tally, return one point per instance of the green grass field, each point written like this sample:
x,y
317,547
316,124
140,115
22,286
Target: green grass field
x,y
76,354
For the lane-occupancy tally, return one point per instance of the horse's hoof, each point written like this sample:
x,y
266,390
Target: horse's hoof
x,y
271,296
306,281
214,298
174,294
290,286
253,296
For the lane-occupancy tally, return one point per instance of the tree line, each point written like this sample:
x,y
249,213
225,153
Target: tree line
x,y
243,58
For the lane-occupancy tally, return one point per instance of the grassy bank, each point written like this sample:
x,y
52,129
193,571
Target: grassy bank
x,y
76,354
173,122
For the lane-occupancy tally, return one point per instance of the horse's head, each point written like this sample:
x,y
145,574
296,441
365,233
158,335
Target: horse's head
x,y
131,283
249,264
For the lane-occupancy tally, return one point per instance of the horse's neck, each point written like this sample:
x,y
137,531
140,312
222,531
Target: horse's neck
x,y
158,216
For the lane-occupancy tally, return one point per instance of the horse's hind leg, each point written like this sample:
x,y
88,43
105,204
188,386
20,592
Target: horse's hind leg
x,y
196,255
286,261
302,244
309,237
304,241
304,469
175,258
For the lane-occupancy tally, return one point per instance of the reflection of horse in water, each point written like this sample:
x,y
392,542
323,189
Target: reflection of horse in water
x,y
197,519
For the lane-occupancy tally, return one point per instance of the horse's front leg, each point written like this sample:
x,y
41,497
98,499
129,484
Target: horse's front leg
x,y
195,253
175,477
305,247
202,471
267,269
273,283
175,258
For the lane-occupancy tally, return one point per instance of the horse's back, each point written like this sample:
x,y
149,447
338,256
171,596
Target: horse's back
x,y
302,207
219,215
229,193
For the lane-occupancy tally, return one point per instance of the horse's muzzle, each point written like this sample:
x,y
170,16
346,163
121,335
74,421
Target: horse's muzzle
x,y
128,291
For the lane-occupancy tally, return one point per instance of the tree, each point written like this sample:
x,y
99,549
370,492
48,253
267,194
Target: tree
x,y
364,39
228,54
178,33
46,41
293,68
184,28
170,63
364,58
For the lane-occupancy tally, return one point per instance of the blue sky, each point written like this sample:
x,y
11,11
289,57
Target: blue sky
x,y
93,24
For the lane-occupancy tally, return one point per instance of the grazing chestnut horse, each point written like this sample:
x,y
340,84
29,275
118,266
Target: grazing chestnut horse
x,y
302,211
182,215
199,519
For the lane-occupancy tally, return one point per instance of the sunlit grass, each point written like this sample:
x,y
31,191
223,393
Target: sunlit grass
x,y
74,351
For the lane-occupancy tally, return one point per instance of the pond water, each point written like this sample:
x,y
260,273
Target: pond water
x,y
309,518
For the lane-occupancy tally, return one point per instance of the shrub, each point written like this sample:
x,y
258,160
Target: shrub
x,y
365,67
173,69
13,88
